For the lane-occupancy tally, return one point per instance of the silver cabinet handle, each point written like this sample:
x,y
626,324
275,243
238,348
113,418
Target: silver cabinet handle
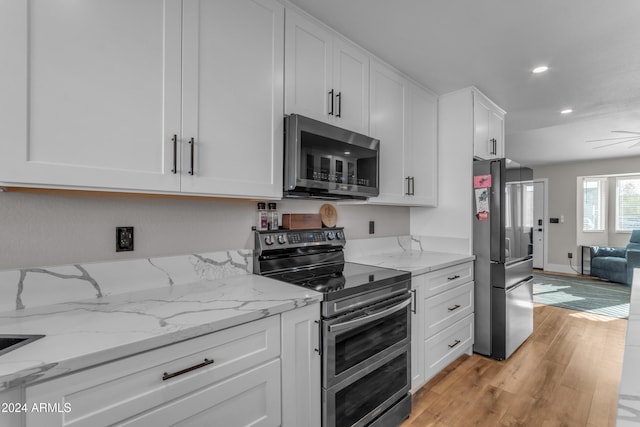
x,y
351,324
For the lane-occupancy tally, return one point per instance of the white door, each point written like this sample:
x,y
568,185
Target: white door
x,y
481,114
90,93
351,86
308,68
388,93
421,147
233,97
538,224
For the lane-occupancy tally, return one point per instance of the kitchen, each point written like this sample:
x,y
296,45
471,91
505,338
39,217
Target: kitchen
x,y
39,222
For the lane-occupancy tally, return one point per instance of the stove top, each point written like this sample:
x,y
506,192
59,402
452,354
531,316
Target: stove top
x,y
340,280
314,258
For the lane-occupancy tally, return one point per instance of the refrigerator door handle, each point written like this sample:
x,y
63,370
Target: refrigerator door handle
x,y
520,283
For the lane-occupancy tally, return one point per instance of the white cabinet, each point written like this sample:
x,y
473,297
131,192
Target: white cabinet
x,y
417,332
232,97
262,373
488,130
326,76
403,118
442,324
301,387
103,94
91,93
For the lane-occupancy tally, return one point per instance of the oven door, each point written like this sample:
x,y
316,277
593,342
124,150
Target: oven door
x,y
358,340
360,399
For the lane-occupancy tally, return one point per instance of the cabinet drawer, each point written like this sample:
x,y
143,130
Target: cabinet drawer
x,y
447,278
446,346
445,309
118,390
251,398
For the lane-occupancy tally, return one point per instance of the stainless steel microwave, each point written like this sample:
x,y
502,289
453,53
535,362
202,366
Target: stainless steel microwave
x,y
328,162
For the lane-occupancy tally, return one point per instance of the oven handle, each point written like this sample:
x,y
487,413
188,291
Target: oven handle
x,y
370,318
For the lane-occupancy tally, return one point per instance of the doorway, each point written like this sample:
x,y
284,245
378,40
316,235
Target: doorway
x,y
539,224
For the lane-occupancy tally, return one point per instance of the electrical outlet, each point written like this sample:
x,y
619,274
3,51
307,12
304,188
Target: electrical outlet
x,y
570,255
372,227
124,239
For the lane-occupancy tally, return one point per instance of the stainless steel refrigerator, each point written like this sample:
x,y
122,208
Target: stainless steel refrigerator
x,y
502,244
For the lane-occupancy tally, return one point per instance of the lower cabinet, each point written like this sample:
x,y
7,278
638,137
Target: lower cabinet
x,y
442,324
262,373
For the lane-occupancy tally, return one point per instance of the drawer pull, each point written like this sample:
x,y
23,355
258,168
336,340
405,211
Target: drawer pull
x,y
453,277
167,376
454,308
456,342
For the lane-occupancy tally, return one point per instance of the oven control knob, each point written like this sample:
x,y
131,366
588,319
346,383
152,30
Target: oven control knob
x,y
269,240
340,235
330,235
281,239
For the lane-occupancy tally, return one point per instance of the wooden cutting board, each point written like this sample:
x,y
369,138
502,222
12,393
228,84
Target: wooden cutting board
x,y
329,215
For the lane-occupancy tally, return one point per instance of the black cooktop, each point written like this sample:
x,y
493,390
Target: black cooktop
x,y
344,279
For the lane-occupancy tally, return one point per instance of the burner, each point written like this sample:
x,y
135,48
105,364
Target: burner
x,y
331,283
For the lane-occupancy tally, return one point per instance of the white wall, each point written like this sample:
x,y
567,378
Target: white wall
x,y
563,195
52,228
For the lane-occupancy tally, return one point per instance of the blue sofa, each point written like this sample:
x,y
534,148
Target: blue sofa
x,y
617,264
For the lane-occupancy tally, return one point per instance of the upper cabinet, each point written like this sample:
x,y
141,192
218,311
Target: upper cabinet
x,y
488,132
233,97
326,77
404,118
144,97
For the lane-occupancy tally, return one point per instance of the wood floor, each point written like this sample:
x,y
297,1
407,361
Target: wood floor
x,y
566,374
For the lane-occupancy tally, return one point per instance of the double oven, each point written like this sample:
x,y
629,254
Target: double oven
x,y
365,324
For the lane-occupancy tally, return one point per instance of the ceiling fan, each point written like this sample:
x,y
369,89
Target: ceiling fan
x,y
634,137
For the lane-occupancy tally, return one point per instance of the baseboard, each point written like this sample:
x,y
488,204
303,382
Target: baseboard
x,y
559,268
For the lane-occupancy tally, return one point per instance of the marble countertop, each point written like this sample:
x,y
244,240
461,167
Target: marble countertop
x,y
88,332
414,261
629,391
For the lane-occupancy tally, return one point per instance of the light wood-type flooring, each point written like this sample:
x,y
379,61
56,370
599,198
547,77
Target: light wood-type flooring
x,y
566,374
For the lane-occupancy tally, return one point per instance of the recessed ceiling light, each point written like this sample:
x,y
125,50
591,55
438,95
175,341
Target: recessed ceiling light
x,y
567,111
540,69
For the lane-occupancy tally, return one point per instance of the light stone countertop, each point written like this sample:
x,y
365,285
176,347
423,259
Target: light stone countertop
x,y
414,254
629,391
414,261
85,333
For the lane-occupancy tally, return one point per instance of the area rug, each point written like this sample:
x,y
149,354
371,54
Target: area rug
x,y
582,294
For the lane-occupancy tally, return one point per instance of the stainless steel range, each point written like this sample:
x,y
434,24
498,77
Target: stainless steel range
x,y
366,330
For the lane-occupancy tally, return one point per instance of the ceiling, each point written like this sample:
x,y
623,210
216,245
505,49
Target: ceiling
x,y
592,49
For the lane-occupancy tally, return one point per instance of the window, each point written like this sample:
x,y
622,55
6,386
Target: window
x,y
593,203
627,203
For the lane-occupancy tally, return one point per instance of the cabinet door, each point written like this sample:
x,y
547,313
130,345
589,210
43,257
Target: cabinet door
x,y
388,93
308,69
417,333
301,367
496,132
233,97
90,93
351,86
482,147
421,147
